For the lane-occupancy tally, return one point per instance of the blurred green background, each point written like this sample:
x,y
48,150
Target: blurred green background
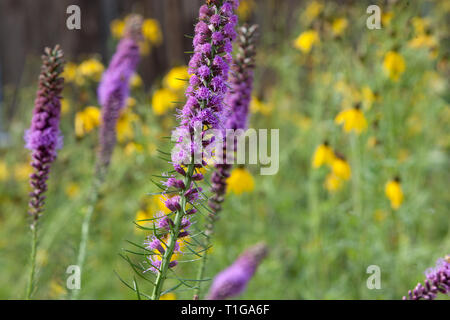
x,y
322,236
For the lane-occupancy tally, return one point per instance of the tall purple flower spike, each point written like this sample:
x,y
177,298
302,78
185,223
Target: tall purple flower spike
x,y
437,281
236,115
233,280
44,137
208,85
113,90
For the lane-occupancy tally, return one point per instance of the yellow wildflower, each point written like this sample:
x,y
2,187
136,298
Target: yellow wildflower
x,y
341,168
333,183
70,72
245,9
162,101
420,25
338,26
91,69
65,106
168,296
174,80
312,11
124,126
86,120
394,193
151,31
131,102
56,290
133,147
117,28
72,190
323,155
353,119
386,18
135,81
240,181
22,171
423,41
4,173
394,65
257,105
306,40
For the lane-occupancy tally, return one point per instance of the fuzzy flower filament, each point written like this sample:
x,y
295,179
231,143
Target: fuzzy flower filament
x,y
208,67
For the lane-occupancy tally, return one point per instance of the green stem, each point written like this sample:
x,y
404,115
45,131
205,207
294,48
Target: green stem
x,y
201,270
98,181
174,232
33,259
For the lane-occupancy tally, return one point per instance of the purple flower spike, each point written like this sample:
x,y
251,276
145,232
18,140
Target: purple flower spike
x,y
113,90
236,116
437,281
44,138
202,111
233,280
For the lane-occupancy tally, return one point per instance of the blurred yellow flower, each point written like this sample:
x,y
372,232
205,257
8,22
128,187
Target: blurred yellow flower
x,y
65,106
56,290
168,296
423,41
394,65
133,147
333,183
245,9
323,155
135,81
257,105
131,102
176,78
312,11
90,69
339,25
420,25
87,120
72,190
394,193
70,72
341,168
4,173
22,171
162,101
117,28
353,119
240,181
151,31
386,18
306,40
124,126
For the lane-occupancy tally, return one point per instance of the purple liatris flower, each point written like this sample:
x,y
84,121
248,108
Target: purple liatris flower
x,y
437,281
233,280
236,114
44,137
113,90
203,109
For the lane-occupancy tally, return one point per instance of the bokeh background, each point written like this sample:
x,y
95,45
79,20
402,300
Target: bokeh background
x,y
331,210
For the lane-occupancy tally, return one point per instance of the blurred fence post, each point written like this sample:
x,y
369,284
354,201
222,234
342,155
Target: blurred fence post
x,y
3,134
